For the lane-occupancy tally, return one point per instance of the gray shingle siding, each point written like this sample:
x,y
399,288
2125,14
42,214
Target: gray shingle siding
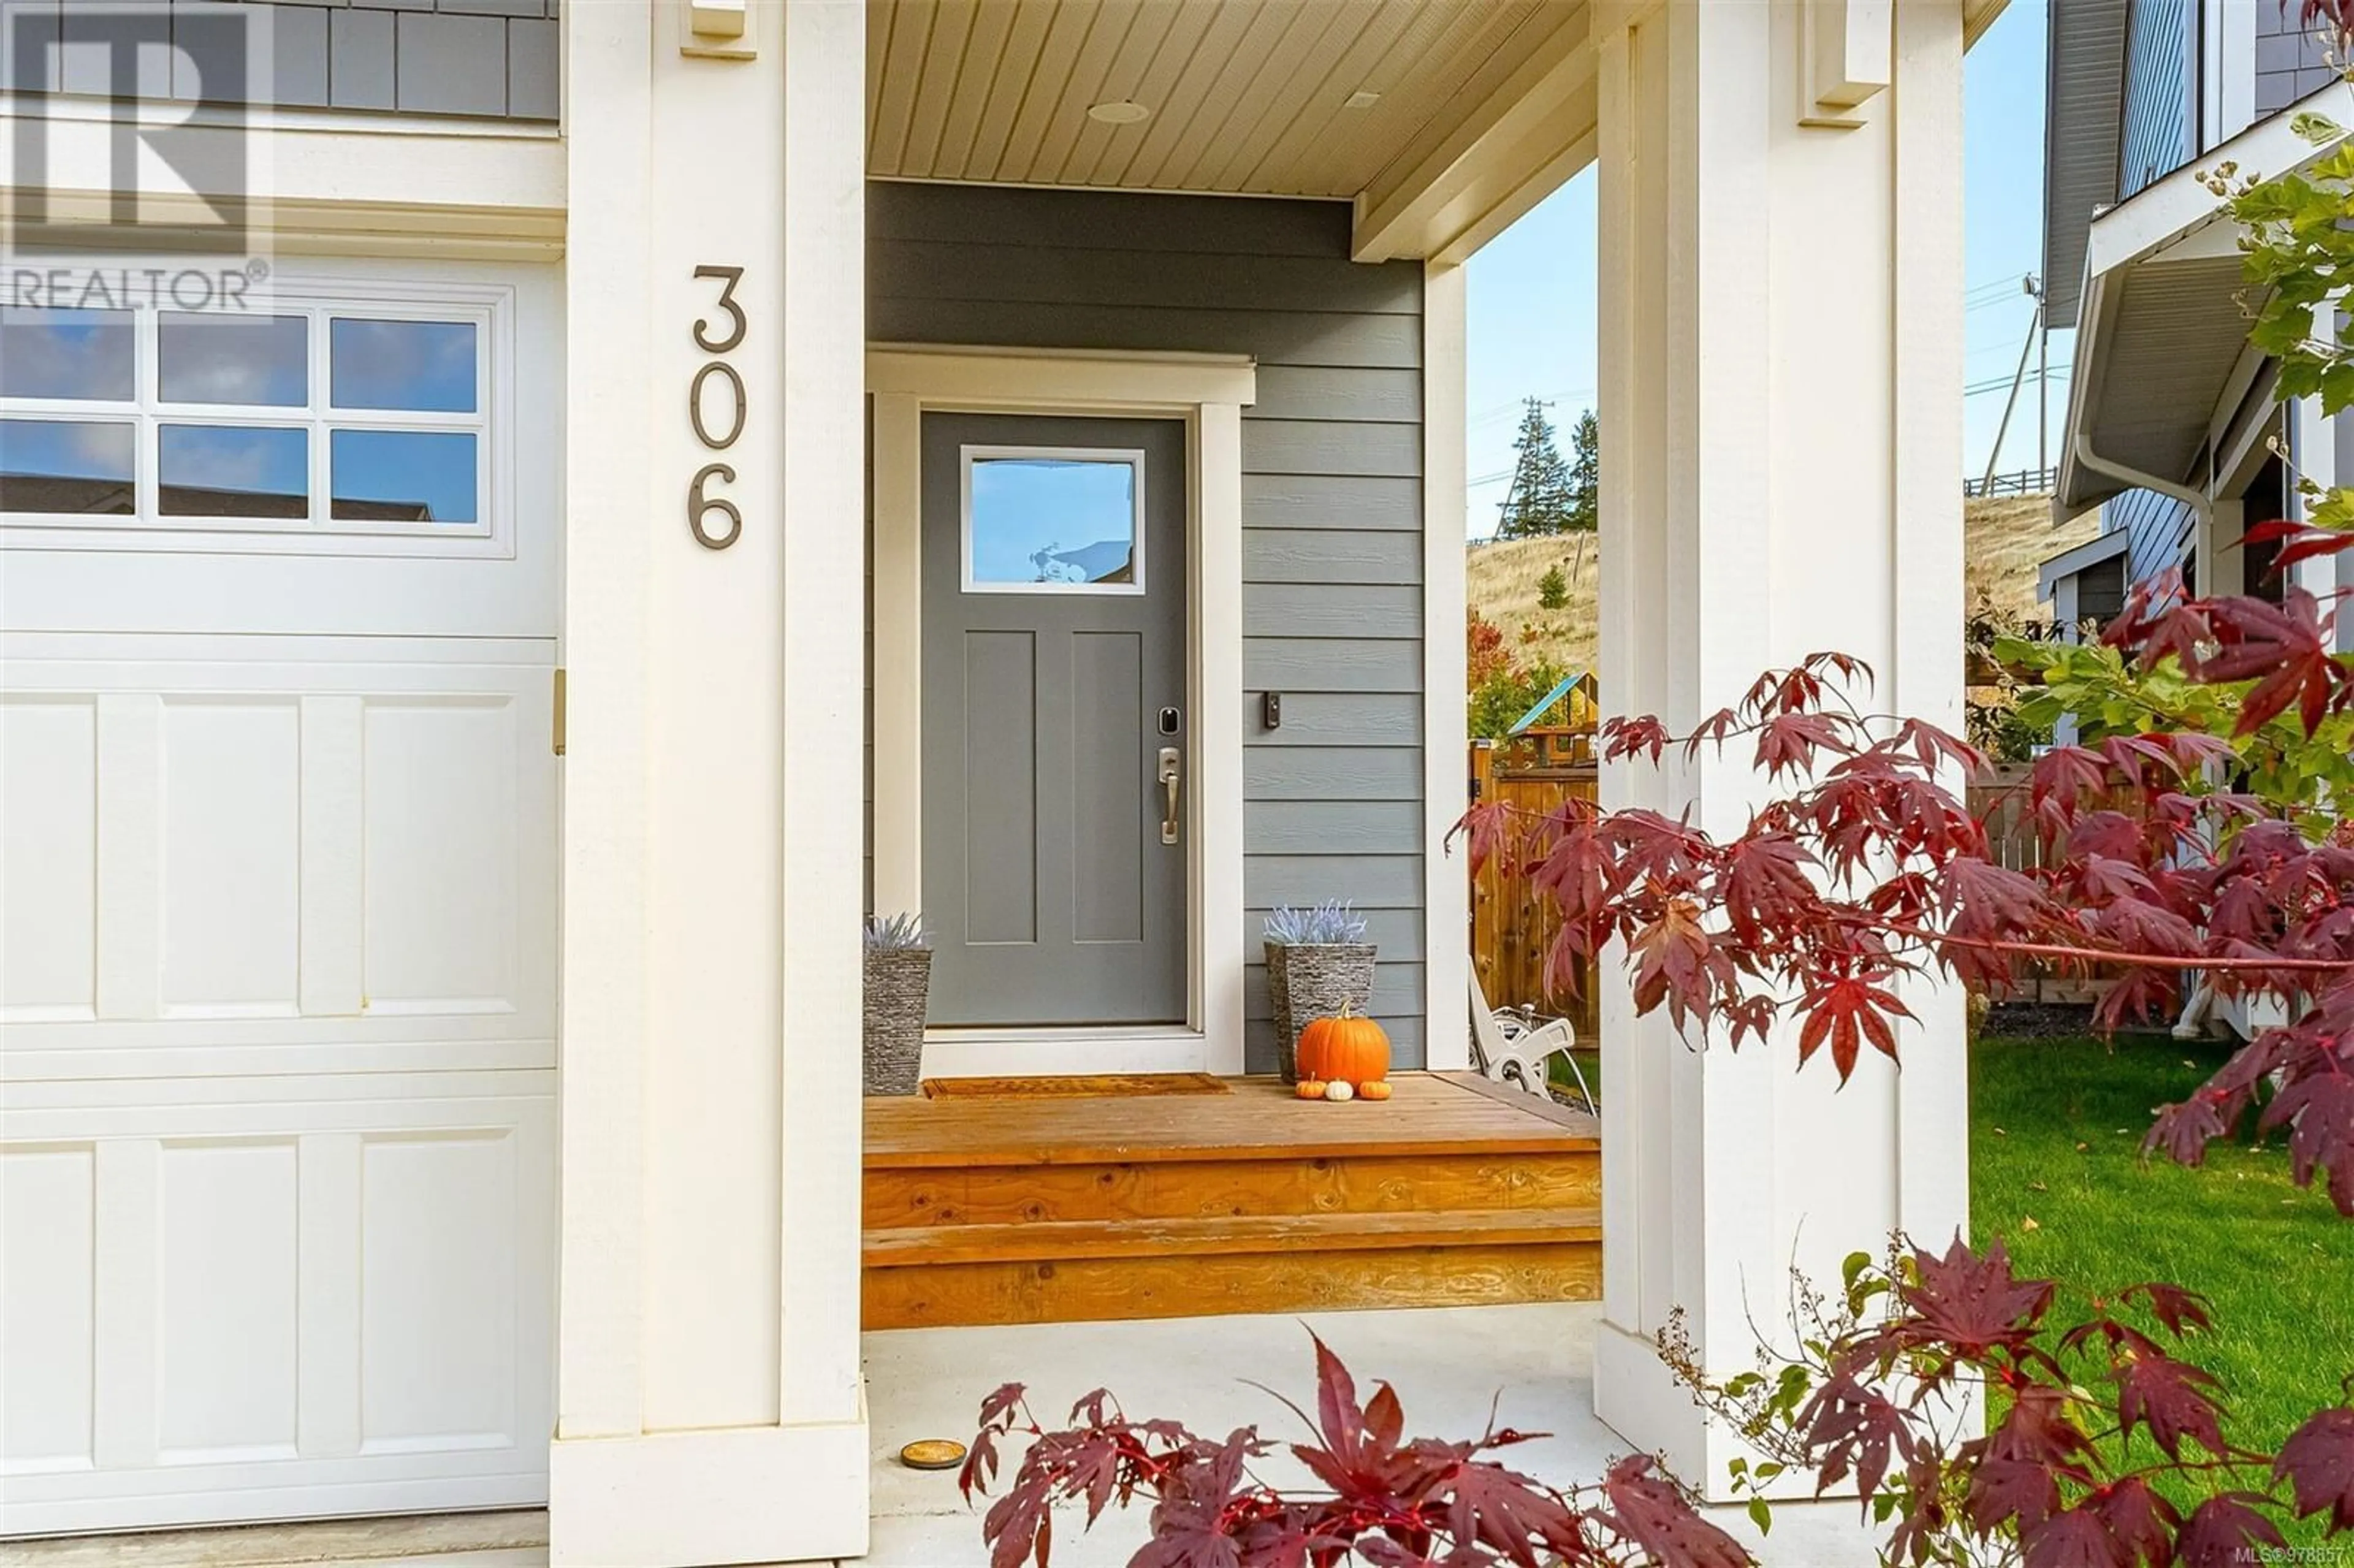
x,y
495,58
1332,599
2290,61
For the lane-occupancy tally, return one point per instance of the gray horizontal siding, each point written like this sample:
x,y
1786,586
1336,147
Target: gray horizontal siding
x,y
1321,392
1373,880
1297,664
1332,608
1331,500
1337,610
1333,827
1332,773
1345,718
1332,447
1331,555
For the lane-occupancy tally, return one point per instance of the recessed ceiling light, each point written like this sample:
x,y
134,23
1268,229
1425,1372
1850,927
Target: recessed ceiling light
x,y
1361,98
1119,112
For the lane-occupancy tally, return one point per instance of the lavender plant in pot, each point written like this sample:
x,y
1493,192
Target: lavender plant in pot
x,y
1318,961
899,984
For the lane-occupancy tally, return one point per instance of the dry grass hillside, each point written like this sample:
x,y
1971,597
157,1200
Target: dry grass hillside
x,y
2007,536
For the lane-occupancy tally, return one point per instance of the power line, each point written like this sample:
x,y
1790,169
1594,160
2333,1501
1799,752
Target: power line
x,y
1998,382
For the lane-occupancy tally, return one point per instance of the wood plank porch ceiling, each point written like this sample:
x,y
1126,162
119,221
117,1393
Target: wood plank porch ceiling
x,y
1245,96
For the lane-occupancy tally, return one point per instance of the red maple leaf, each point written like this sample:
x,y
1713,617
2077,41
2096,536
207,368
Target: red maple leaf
x,y
2139,1522
1847,1011
2318,1462
2224,1532
1648,1510
2318,1110
2285,649
2172,1398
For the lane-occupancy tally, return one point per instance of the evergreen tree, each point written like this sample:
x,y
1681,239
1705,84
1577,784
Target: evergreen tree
x,y
1553,588
1539,500
1585,475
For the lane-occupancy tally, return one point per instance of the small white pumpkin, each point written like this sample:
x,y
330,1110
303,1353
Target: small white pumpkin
x,y
1337,1090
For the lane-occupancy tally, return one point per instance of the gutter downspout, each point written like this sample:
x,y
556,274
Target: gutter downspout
x,y
2081,448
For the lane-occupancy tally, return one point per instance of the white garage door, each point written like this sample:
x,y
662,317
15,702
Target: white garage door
x,y
278,814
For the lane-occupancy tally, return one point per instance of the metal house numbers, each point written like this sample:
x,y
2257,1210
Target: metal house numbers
x,y
699,506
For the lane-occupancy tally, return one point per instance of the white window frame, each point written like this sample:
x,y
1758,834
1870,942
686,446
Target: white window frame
x,y
489,308
1132,457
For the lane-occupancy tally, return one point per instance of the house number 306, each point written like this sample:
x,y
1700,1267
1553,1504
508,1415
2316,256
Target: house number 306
x,y
700,394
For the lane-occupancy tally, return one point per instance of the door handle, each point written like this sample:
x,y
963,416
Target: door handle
x,y
1172,770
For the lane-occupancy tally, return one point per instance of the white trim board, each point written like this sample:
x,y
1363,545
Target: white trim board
x,y
1209,393
1446,879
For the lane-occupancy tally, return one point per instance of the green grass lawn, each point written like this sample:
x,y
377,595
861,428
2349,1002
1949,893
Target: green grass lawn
x,y
2056,1173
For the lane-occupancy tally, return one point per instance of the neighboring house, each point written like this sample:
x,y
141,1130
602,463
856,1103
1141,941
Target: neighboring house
x,y
438,684
2171,425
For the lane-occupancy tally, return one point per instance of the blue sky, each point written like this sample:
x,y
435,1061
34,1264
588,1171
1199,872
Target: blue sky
x,y
1531,291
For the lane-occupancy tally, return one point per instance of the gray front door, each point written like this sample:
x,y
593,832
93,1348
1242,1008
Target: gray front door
x,y
1054,710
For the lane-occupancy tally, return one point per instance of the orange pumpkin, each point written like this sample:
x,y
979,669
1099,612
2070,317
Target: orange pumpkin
x,y
1349,1048
1308,1090
1379,1089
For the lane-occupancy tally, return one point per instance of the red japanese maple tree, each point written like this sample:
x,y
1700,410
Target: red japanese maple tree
x,y
1865,867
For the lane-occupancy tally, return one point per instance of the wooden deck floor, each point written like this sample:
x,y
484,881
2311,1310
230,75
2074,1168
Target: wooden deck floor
x,y
1029,1208
1428,1113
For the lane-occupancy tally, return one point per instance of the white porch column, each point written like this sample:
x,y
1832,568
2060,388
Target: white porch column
x,y
1781,423
2221,565
709,1408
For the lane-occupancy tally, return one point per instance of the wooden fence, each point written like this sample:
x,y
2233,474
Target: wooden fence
x,y
1513,925
2001,804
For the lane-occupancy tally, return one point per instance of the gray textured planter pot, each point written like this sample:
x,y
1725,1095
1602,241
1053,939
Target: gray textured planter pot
x,y
898,983
1312,980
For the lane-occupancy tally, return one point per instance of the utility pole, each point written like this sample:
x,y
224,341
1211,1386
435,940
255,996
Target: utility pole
x,y
2035,336
2034,286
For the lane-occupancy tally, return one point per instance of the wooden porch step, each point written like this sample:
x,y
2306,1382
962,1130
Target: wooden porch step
x,y
910,1246
927,1277
1276,1181
1024,1209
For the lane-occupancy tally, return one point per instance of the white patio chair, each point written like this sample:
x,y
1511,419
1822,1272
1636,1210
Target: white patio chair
x,y
1511,1046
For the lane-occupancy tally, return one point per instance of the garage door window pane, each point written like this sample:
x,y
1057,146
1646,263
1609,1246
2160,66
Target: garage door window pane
x,y
234,470
75,466
255,361
422,367
79,355
1049,522
403,476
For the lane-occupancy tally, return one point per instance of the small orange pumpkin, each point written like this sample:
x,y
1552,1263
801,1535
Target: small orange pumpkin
x,y
1308,1090
1348,1047
1379,1089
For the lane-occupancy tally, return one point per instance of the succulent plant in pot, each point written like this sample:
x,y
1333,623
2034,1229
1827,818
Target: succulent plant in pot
x,y
1318,964
898,965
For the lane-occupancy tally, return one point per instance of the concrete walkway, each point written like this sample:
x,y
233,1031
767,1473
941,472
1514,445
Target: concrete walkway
x,y
1532,1363
1449,1365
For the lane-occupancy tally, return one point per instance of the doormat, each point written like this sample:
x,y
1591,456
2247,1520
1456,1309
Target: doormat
x,y
1090,1084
